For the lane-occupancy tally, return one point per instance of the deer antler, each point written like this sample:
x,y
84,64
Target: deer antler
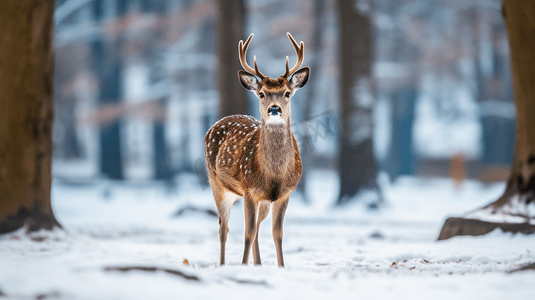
x,y
242,51
300,50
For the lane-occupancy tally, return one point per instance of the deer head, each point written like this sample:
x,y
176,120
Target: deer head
x,y
274,94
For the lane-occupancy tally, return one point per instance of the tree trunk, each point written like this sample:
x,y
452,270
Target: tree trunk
x,y
161,158
71,145
108,65
313,89
513,206
402,160
26,114
357,165
230,23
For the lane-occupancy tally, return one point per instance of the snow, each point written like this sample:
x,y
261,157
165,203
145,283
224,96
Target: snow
x,y
329,252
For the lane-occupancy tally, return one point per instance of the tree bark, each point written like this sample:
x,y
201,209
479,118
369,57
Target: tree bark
x,y
26,114
357,165
520,21
230,23
520,190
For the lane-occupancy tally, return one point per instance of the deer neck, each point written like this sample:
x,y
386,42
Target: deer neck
x,y
276,148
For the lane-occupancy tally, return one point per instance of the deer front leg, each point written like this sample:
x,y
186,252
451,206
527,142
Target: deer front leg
x,y
263,211
279,209
224,206
250,208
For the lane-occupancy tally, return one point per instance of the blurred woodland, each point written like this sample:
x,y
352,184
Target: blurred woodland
x,y
412,87
416,112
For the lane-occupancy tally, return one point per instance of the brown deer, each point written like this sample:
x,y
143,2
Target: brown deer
x,y
257,160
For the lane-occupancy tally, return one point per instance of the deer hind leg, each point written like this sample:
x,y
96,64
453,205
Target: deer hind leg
x,y
263,211
279,209
251,212
224,202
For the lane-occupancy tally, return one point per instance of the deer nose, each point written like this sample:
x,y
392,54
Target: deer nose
x,y
274,110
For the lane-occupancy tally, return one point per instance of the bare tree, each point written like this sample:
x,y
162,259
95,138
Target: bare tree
x,y
230,23
109,70
519,194
357,165
313,90
108,65
26,114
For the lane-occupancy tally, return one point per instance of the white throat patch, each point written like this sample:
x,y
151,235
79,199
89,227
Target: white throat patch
x,y
275,120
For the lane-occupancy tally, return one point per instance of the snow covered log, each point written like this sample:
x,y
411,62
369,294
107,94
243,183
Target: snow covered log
x,y
515,209
26,114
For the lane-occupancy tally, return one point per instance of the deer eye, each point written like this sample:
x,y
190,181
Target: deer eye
x,y
287,95
261,95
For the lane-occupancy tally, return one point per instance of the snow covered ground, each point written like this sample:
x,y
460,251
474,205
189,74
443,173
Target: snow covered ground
x,y
348,252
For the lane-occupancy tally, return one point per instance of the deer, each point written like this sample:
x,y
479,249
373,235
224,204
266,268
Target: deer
x,y
257,160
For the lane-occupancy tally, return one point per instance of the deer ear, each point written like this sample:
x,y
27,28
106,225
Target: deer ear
x,y
300,78
248,80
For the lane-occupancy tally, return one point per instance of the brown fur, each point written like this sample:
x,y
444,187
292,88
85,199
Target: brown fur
x,y
276,84
242,158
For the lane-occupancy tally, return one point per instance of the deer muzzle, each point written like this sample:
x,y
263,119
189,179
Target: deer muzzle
x,y
274,111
